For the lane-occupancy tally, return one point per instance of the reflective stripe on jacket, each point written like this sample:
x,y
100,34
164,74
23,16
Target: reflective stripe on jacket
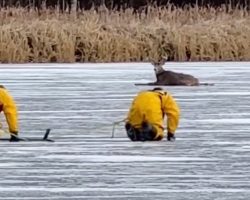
x,y
152,106
9,108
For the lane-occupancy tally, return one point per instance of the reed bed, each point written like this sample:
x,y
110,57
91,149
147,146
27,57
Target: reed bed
x,y
196,34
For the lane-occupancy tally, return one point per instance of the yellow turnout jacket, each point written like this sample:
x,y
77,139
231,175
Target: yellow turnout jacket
x,y
8,106
152,106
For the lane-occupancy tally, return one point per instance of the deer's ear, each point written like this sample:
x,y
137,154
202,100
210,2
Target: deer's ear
x,y
164,58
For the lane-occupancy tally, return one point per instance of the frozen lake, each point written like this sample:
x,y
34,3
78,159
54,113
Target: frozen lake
x,y
209,160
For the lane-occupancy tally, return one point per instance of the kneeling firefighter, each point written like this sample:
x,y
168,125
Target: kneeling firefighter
x,y
146,116
8,106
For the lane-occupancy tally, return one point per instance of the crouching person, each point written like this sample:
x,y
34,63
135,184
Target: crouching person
x,y
8,106
146,116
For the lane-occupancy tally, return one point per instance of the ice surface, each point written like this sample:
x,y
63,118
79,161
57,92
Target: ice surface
x,y
80,102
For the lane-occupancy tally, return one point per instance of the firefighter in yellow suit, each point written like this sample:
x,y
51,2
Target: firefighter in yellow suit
x,y
146,116
9,108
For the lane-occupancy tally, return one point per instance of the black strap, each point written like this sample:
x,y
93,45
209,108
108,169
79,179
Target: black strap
x,y
160,94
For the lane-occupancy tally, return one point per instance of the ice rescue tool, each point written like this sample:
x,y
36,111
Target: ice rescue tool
x,y
32,139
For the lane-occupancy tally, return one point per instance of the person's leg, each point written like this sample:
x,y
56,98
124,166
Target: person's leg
x,y
146,133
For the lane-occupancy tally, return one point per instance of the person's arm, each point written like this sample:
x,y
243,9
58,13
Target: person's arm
x,y
171,109
10,112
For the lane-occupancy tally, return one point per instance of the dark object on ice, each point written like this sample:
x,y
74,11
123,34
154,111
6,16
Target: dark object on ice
x,y
15,138
146,133
170,137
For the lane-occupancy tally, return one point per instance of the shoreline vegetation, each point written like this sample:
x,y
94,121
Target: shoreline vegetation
x,y
194,34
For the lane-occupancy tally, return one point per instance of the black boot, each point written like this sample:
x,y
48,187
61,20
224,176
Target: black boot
x,y
14,138
170,137
131,132
148,131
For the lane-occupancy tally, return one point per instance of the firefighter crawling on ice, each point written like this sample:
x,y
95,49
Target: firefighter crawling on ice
x,y
146,116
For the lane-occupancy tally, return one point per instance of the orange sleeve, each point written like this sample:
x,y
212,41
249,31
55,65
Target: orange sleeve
x,y
171,109
10,110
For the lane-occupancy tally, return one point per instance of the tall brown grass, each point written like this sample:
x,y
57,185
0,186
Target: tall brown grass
x,y
195,34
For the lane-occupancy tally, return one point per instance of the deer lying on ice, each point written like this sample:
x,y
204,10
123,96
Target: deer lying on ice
x,y
166,77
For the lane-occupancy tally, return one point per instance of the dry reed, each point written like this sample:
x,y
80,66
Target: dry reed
x,y
195,34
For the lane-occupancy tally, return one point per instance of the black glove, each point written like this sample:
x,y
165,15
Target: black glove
x,y
170,137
